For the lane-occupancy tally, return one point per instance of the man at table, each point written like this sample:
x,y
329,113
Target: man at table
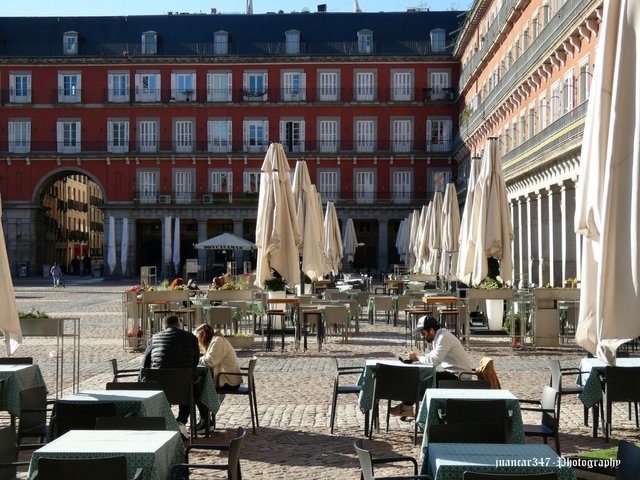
x,y
174,347
447,355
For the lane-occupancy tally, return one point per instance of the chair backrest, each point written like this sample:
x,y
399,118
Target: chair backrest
x,y
364,457
629,456
8,452
148,385
396,383
354,307
556,374
105,468
550,401
250,369
33,412
176,383
487,371
131,423
382,302
363,298
509,476
234,454
470,411
335,314
403,302
622,384
16,360
69,415
220,316
467,433
467,384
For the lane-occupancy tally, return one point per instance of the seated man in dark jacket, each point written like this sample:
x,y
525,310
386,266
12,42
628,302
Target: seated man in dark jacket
x,y
176,348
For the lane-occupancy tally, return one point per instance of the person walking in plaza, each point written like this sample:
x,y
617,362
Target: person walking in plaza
x,y
219,355
56,273
447,354
174,347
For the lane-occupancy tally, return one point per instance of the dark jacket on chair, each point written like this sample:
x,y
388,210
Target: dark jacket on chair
x,y
172,348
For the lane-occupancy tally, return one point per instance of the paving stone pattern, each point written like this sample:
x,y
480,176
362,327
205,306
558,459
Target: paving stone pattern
x,y
294,388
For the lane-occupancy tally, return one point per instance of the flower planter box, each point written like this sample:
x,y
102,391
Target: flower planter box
x,y
497,294
240,341
223,295
135,342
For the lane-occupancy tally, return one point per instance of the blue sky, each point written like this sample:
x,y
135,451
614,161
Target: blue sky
x,y
158,7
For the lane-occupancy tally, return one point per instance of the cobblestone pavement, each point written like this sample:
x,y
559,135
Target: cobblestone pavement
x,y
294,388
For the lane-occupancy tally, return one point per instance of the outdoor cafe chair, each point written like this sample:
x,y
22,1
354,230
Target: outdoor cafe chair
x,y
69,415
470,411
382,303
105,468
9,451
34,410
367,462
549,408
622,384
557,374
16,360
336,319
249,390
629,461
342,389
232,467
119,373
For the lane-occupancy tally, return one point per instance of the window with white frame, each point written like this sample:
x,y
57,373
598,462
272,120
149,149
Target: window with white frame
x,y
118,87
365,86
255,135
584,80
183,86
149,43
70,43
439,83
544,111
532,119
438,40
219,135
506,140
365,41
292,135
568,91
147,87
328,130
515,128
250,181
546,14
292,41
219,87
220,181
438,134
364,188
183,185
69,87
525,37
20,87
365,135
148,186
68,135
19,136
221,42
402,86
117,136
294,86
401,184
183,136
556,101
148,136
328,86
523,127
401,135
328,184
535,25
255,86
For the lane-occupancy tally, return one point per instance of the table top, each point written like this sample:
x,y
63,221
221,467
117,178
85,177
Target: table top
x,y
449,461
283,300
153,451
439,299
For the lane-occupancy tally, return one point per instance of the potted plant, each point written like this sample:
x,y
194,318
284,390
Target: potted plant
x,y
276,283
512,319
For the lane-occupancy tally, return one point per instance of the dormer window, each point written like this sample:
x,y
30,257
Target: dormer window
x,y
221,42
365,41
438,40
149,43
292,41
70,43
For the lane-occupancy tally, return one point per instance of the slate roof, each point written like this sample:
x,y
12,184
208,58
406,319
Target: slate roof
x,y
184,35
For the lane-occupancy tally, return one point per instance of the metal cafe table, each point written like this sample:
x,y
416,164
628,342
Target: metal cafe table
x,y
153,451
449,461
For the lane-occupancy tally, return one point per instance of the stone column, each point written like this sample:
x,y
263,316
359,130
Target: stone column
x,y
523,271
202,254
543,238
383,240
531,245
238,256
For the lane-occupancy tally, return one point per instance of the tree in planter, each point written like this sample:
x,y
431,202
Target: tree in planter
x,y
276,283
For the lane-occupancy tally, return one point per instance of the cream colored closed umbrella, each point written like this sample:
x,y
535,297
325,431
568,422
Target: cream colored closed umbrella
x,y
435,235
493,232
422,240
310,223
413,233
124,245
466,245
333,249
608,193
450,232
277,233
9,320
111,246
349,241
401,240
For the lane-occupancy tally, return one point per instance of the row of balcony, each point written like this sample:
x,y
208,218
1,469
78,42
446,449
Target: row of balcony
x,y
133,51
65,235
251,198
238,95
342,147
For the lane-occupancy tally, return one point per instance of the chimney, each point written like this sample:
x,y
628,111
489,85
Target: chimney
x,y
322,7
